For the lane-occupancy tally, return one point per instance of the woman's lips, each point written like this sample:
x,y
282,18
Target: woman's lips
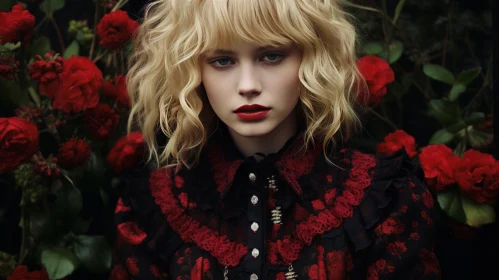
x,y
252,115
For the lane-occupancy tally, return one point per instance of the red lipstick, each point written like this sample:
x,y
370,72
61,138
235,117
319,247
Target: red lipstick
x,y
251,112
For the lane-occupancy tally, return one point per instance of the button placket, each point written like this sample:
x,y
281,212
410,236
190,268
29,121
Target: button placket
x,y
255,235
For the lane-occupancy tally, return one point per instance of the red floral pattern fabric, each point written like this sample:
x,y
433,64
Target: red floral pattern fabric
x,y
370,219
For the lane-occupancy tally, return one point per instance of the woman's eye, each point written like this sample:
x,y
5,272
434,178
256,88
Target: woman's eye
x,y
221,62
273,57
225,61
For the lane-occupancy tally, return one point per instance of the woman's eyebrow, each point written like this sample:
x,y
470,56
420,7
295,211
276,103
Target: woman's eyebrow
x,y
229,52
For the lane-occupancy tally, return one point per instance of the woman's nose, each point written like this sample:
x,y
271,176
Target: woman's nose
x,y
249,80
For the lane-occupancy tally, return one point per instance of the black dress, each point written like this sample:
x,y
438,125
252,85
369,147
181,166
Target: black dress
x,y
288,214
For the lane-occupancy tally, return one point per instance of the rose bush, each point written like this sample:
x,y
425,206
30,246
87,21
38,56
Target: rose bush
x,y
63,144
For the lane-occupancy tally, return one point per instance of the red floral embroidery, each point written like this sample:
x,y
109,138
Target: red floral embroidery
x,y
227,252
120,207
335,265
202,265
414,236
396,248
131,263
130,233
390,226
428,200
118,273
313,272
429,261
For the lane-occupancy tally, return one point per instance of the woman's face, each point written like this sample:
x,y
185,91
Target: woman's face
x,y
246,74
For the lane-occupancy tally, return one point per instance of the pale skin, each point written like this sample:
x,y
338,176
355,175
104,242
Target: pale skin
x,y
250,74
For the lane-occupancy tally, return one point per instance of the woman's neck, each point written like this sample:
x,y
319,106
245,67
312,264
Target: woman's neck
x,y
266,144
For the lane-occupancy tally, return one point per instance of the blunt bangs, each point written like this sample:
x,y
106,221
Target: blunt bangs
x,y
263,23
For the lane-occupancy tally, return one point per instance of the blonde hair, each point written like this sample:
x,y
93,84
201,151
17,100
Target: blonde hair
x,y
164,79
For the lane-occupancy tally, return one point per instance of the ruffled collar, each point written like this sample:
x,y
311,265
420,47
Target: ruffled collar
x,y
291,161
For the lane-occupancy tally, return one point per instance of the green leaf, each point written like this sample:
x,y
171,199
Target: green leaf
x,y
479,139
373,48
9,47
450,202
398,9
478,214
467,76
447,113
441,136
10,90
475,117
40,46
50,6
396,49
456,91
59,262
438,73
69,201
94,252
73,49
80,226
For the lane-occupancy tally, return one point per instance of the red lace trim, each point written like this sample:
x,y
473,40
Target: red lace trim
x,y
289,248
359,179
227,252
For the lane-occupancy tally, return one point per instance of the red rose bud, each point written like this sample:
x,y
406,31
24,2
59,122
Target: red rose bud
x,y
477,175
47,167
18,142
17,25
116,89
101,121
8,67
437,162
115,29
378,74
126,152
74,153
31,114
396,141
21,273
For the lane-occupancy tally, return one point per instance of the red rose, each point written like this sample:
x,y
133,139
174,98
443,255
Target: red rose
x,y
396,141
101,121
21,273
17,25
438,162
118,272
18,142
77,88
377,74
115,29
74,152
477,175
116,88
126,152
202,265
46,71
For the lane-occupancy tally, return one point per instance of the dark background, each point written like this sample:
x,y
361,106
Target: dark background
x,y
460,259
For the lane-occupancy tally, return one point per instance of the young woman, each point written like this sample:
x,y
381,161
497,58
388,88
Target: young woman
x,y
256,99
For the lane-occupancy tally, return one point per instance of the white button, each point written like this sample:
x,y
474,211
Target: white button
x,y
252,177
254,227
254,199
255,253
254,277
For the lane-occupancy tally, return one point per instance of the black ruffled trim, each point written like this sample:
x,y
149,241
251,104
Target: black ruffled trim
x,y
389,175
161,241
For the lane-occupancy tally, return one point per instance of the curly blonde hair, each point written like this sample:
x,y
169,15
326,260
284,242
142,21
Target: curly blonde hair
x,y
164,79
